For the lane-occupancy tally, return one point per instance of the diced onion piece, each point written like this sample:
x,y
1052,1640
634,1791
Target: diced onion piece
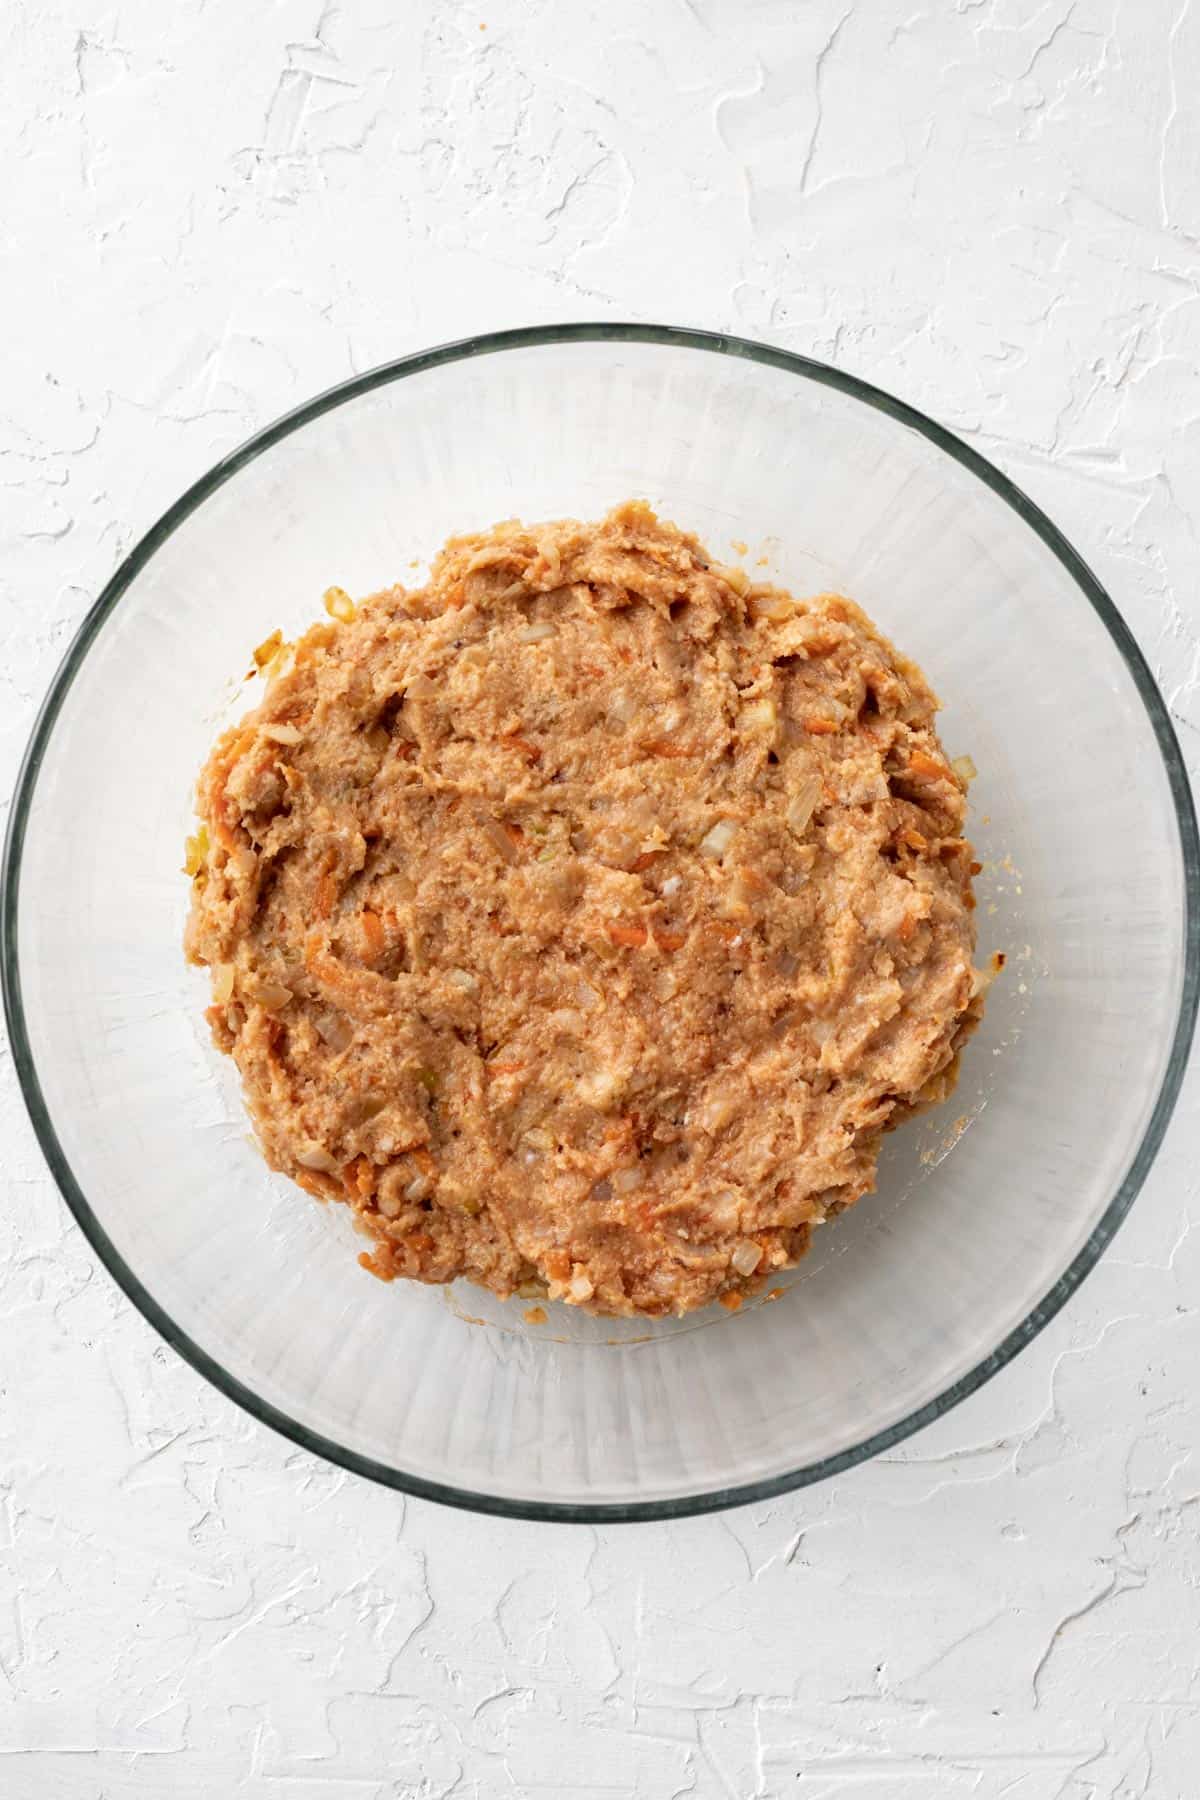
x,y
268,649
625,1180
715,1112
498,838
196,852
716,841
536,633
222,983
336,1030
746,1257
273,995
369,1107
776,607
622,707
580,1289
803,804
339,605
760,715
418,1188
964,768
282,734
318,1160
462,978
671,886
420,688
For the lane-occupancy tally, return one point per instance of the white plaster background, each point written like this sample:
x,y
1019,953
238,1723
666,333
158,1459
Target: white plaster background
x,y
207,212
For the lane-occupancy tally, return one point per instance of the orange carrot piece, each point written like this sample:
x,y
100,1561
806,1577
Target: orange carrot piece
x,y
358,1177
312,1184
632,936
668,747
925,767
372,1261
820,727
669,940
326,894
373,933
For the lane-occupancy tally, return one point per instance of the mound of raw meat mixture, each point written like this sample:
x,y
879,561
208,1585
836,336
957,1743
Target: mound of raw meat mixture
x,y
584,918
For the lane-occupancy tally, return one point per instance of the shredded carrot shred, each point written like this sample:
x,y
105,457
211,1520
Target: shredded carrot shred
x,y
668,747
372,1262
632,936
373,933
358,1177
646,860
820,727
926,766
326,891
312,1184
669,940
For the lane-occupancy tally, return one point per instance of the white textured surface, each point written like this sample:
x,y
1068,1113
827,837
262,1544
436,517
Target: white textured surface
x,y
211,210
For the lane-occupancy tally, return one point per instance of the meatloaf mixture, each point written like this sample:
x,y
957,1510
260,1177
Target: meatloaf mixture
x,y
584,917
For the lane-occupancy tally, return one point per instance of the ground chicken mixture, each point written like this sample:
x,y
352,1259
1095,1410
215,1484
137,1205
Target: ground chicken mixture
x,y
584,917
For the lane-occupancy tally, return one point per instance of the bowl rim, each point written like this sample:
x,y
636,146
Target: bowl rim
x,y
486,344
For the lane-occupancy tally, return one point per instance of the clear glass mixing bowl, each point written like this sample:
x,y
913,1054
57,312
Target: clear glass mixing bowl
x,y
989,1212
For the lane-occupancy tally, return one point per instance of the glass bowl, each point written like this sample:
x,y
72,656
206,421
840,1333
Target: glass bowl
x,y
989,1211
